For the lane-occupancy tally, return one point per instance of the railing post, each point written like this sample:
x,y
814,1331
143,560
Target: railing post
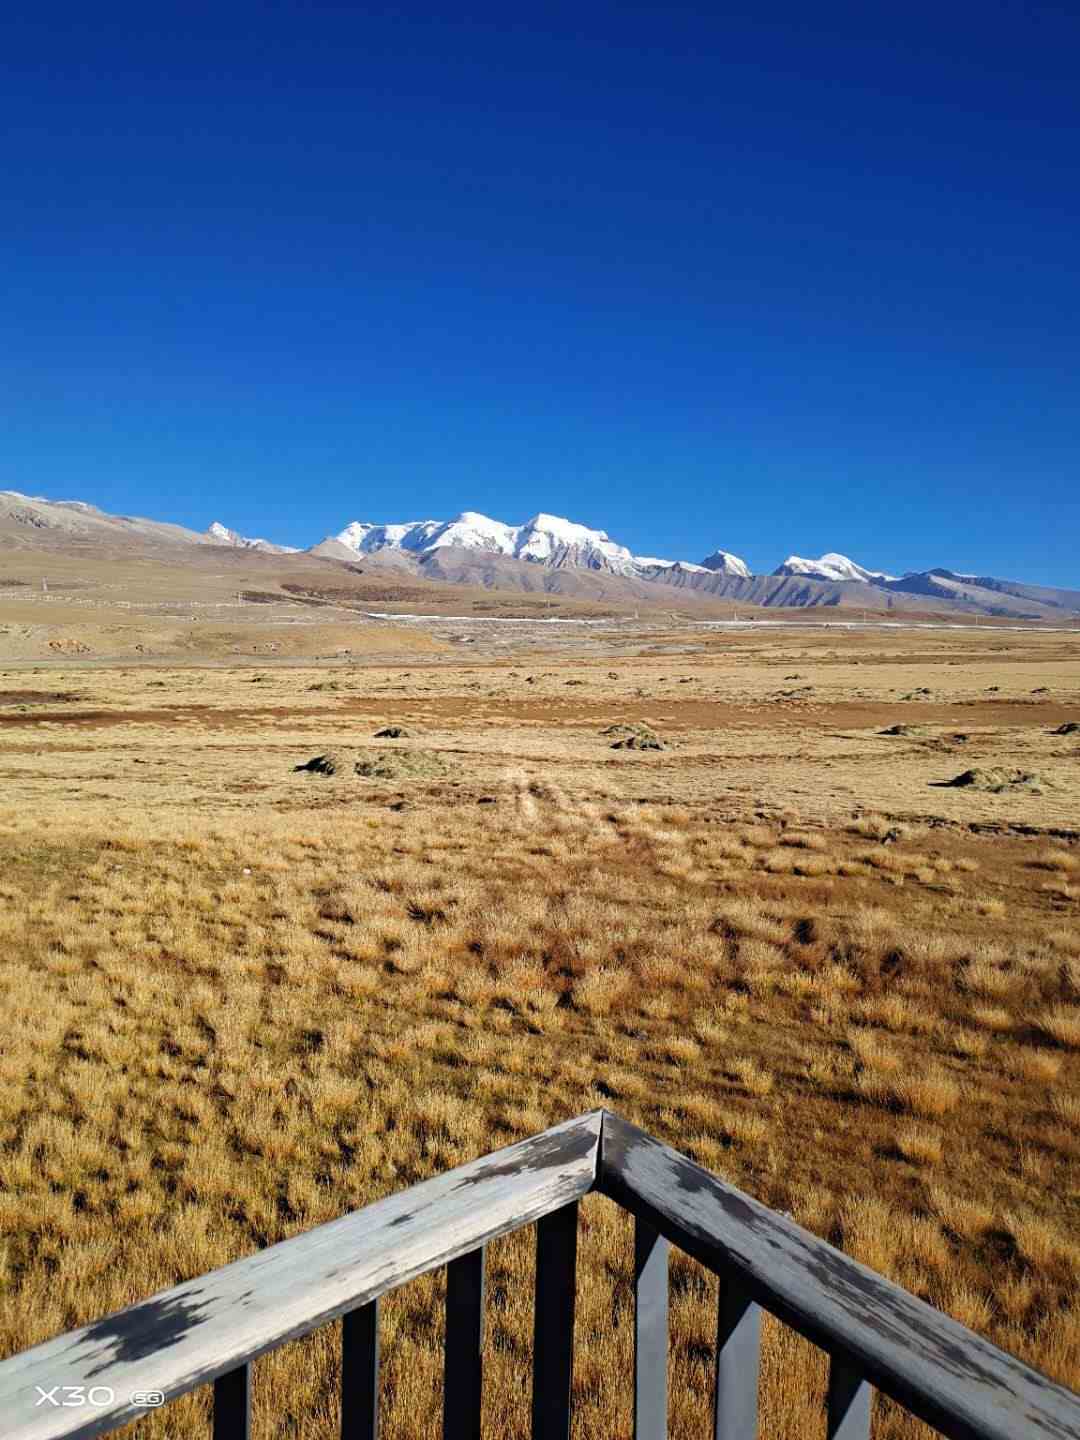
x,y
553,1326
463,1383
738,1359
849,1402
360,1373
650,1332
232,1404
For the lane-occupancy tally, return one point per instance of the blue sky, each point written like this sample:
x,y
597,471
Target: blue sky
x,y
773,278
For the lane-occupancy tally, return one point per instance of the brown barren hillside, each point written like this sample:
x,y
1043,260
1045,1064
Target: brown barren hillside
x,y
212,602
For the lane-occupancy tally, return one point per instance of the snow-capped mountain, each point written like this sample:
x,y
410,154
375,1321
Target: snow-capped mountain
x,y
543,555
218,534
722,562
470,530
545,540
830,567
649,562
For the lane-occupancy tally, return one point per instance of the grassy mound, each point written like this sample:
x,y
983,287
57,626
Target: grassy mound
x,y
376,764
634,737
330,762
997,781
400,765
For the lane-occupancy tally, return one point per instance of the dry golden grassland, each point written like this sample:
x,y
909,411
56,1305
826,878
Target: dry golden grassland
x,y
239,1001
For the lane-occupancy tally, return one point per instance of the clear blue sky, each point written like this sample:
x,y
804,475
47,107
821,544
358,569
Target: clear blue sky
x,y
776,277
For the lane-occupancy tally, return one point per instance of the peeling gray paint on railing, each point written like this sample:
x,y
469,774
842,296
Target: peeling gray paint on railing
x,y
200,1330
191,1334
939,1370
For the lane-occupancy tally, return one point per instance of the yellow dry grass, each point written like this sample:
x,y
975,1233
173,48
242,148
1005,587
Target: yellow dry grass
x,y
249,1008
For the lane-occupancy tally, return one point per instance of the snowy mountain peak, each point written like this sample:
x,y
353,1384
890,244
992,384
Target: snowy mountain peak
x,y
473,531
545,539
830,566
218,534
555,541
567,530
723,562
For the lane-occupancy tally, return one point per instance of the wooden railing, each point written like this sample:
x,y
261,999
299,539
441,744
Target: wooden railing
x,y
209,1330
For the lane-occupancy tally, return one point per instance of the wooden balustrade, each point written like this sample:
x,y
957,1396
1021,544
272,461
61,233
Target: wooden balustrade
x,y
209,1330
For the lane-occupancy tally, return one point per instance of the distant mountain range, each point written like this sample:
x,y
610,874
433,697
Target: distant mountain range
x,y
558,556
559,544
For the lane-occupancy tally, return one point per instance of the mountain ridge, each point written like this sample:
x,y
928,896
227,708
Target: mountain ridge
x,y
544,539
219,534
554,555
830,566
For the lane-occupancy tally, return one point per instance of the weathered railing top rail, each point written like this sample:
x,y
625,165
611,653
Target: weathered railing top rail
x,y
877,1334
197,1331
935,1367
